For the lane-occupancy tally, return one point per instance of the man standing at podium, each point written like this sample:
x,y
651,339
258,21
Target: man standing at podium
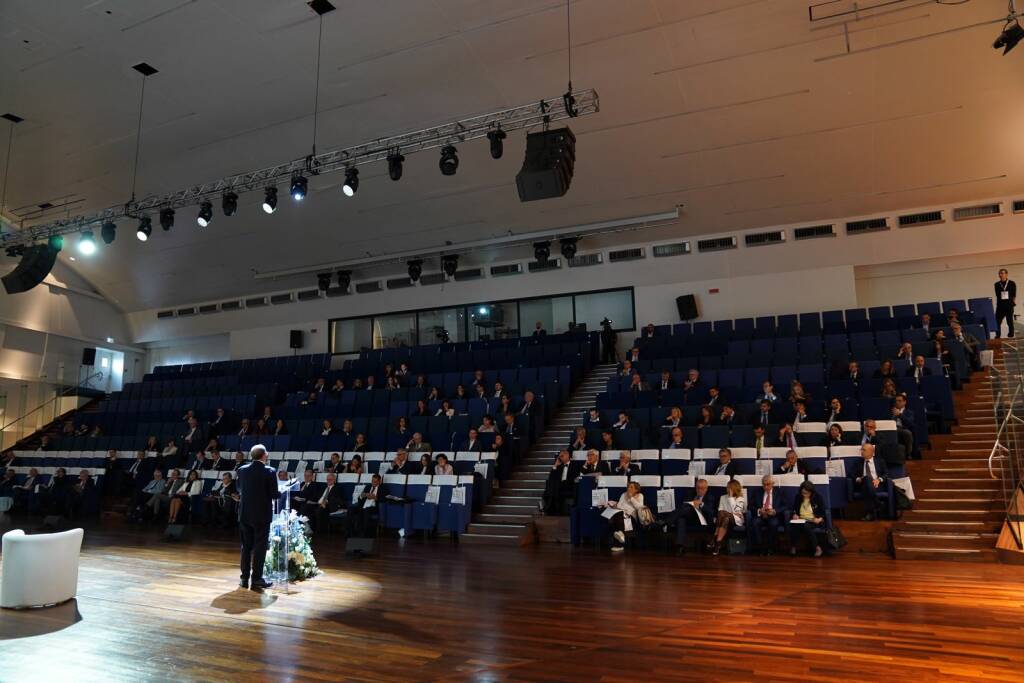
x,y
257,487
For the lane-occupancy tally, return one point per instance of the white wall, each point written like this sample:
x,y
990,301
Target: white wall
x,y
180,351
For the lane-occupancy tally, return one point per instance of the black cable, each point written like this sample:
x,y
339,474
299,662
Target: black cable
x,y
568,37
316,91
7,167
138,138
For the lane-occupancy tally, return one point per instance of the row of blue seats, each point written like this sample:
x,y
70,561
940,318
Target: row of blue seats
x,y
306,362
244,404
425,351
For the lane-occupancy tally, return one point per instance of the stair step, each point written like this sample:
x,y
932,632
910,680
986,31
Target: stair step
x,y
489,539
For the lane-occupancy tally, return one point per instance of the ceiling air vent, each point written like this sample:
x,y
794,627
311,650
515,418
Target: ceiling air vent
x,y
507,269
256,302
1018,205
867,225
399,283
813,231
633,254
208,308
308,294
164,314
278,299
586,260
964,213
367,287
469,274
677,249
716,244
911,220
182,312
230,305
337,291
432,279
758,239
544,266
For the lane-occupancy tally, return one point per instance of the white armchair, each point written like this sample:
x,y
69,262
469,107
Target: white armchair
x,y
41,569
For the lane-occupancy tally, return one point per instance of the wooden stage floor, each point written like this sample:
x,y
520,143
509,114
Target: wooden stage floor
x,y
148,610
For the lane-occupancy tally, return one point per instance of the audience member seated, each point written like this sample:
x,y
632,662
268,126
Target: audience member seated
x,y
401,464
192,487
622,422
919,369
445,410
807,518
767,393
326,428
889,390
836,413
364,513
765,414
835,436
487,425
607,442
560,487
146,497
169,455
693,515
628,505
510,430
797,393
707,417
594,420
886,370
355,465
868,478
579,440
360,445
677,439
220,505
970,343
592,465
442,466
693,387
674,419
793,465
624,468
425,465
904,426
329,502
725,464
769,521
24,492
192,437
763,440
418,445
56,495
732,508
472,442
666,382
787,437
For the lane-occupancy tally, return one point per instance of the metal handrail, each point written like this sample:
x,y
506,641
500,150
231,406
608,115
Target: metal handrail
x,y
65,392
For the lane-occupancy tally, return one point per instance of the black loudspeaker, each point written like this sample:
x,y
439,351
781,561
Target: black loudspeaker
x,y
53,522
359,546
687,306
548,166
89,356
35,264
174,532
296,339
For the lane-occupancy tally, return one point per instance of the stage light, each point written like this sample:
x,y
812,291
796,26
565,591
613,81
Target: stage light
x,y
270,199
395,165
415,269
449,162
497,146
17,251
483,310
86,244
344,279
167,218
569,247
56,242
108,232
542,251
299,186
145,229
205,214
323,281
351,185
450,264
1008,39
229,203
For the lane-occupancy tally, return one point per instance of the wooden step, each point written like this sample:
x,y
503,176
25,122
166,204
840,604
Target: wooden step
x,y
945,554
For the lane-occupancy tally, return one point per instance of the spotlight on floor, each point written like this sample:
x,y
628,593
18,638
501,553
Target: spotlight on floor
x,y
299,186
542,251
86,243
323,281
167,218
1008,39
569,247
415,269
229,203
205,214
108,232
450,264
145,229
270,199
395,165
449,162
351,185
344,280
497,146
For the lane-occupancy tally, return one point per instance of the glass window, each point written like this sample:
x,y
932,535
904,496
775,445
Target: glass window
x,y
392,331
443,325
553,313
349,336
493,321
616,305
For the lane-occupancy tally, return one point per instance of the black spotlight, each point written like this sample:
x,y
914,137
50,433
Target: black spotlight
x,y
229,202
205,214
17,251
450,264
569,247
299,186
270,199
323,281
449,162
395,165
542,251
1008,39
351,185
497,146
145,229
344,280
108,232
56,242
167,218
415,269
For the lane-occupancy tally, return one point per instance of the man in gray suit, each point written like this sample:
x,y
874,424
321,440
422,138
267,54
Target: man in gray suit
x,y
257,488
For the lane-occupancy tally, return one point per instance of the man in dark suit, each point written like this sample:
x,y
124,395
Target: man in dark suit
x,y
309,490
925,323
904,425
624,468
793,465
560,486
676,440
364,514
693,387
725,464
401,464
763,439
218,425
918,369
472,443
594,420
592,464
728,416
666,382
868,479
696,514
329,501
257,487
870,434
539,330
852,372
1006,300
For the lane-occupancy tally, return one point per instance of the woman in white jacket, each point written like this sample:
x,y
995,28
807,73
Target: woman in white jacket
x,y
193,487
629,505
731,510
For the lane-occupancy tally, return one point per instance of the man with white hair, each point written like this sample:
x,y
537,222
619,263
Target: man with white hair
x,y
768,519
257,488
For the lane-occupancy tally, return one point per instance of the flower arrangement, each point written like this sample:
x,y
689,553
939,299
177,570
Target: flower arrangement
x,y
299,554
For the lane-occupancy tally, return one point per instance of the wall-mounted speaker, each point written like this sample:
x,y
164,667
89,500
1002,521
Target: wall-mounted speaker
x,y
687,305
296,339
35,264
548,165
89,356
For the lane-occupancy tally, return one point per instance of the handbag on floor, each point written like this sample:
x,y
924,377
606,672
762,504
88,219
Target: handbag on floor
x,y
834,537
645,516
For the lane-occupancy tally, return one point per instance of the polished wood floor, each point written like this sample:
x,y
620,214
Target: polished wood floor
x,y
148,610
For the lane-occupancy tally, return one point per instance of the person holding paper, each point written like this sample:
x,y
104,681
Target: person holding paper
x,y
308,490
1006,300
732,509
868,480
330,501
560,486
364,513
628,505
768,521
691,515
808,517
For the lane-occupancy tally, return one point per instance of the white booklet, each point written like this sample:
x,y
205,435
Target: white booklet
x,y
835,468
433,495
696,468
598,497
459,495
610,512
904,483
666,500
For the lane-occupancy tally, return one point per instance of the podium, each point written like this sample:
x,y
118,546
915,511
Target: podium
x,y
280,542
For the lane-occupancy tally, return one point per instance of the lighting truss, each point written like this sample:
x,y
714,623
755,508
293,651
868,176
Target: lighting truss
x,y
525,116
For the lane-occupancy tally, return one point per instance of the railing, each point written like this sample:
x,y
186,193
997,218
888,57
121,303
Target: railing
x,y
43,414
1006,459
